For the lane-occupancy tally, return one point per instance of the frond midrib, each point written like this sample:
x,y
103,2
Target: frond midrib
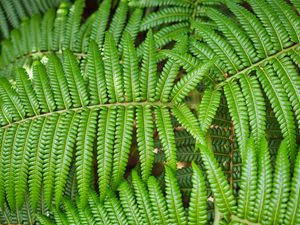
x,y
257,64
92,107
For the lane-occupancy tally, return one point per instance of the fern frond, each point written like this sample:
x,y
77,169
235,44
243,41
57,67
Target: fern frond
x,y
129,204
274,27
145,139
130,69
208,107
255,106
166,135
50,158
10,144
189,82
114,80
84,152
75,80
148,76
166,15
281,186
98,211
105,141
64,147
42,88
220,46
122,146
73,24
189,121
222,193
58,83
197,207
292,215
118,20
278,98
235,36
173,198
247,193
158,202
238,112
289,77
101,19
142,198
26,93
264,182
11,101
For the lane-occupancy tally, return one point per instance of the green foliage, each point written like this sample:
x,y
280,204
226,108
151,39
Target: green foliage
x,y
70,128
149,112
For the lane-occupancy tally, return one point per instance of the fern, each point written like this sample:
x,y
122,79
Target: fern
x,y
254,48
138,200
13,12
77,124
63,30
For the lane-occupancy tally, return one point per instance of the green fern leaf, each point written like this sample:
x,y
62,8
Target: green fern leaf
x,y
189,121
71,212
36,152
11,101
166,15
114,80
264,182
3,136
224,198
98,211
42,88
145,139
288,17
148,77
21,159
281,186
166,80
292,215
198,202
105,142
142,198
26,93
114,210
173,198
130,69
247,193
289,77
189,82
219,45
122,146
255,106
72,25
101,19
47,28
50,158
64,147
9,151
118,20
238,112
208,107
58,83
278,35
236,37
75,80
278,98
166,135
129,204
84,152
158,202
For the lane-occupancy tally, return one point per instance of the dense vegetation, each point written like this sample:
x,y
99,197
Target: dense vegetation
x,y
150,112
